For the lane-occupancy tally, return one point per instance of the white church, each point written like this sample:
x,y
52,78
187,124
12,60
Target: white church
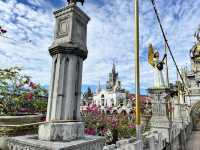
x,y
113,95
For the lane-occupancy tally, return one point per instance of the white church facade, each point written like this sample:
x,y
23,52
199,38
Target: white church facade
x,y
113,95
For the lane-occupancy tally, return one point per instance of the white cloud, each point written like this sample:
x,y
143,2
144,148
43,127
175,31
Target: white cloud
x,y
110,36
30,32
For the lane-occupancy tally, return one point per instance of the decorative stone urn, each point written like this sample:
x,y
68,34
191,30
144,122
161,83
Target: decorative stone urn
x,y
17,125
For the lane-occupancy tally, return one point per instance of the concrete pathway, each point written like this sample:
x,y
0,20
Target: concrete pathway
x,y
194,141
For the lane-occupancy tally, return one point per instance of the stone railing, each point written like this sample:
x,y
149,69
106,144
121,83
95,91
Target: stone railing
x,y
154,140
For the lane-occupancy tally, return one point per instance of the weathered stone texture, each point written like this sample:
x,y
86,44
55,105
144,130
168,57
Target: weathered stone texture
x,y
61,131
32,143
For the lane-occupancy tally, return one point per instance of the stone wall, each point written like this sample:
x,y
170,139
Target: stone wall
x,y
154,141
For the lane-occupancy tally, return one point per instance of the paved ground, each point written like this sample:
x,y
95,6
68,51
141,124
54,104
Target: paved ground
x,y
194,141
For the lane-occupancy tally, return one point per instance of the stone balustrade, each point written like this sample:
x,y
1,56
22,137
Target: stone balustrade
x,y
154,140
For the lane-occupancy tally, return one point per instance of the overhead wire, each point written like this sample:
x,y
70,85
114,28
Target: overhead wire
x,y
166,41
167,44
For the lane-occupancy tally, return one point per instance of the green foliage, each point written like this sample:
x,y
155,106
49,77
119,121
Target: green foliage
x,y
18,94
40,105
15,130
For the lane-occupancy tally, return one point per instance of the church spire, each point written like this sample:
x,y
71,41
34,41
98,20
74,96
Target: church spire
x,y
99,87
113,68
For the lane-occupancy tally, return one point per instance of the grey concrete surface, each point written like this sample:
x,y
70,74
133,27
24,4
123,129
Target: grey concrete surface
x,y
194,141
31,142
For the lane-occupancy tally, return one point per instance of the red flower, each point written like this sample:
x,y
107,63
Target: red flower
x,y
33,85
29,96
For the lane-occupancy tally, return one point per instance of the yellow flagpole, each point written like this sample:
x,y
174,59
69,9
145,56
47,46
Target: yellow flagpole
x,y
137,72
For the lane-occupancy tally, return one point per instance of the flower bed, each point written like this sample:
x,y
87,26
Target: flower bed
x,y
113,127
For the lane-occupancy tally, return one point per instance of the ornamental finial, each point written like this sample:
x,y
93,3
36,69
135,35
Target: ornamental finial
x,y
75,1
197,35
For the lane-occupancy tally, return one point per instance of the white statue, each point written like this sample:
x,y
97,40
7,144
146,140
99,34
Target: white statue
x,y
153,58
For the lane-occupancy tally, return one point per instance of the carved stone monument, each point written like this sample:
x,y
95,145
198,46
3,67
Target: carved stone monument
x,y
68,50
64,128
162,108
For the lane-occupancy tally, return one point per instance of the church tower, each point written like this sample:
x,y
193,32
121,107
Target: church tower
x,y
113,77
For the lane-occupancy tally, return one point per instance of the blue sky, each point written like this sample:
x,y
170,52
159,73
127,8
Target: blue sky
x,y
110,37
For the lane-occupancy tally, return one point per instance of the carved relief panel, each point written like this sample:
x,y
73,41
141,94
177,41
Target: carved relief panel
x,y
63,27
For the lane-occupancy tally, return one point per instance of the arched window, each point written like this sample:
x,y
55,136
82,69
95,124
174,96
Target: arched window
x,y
112,102
102,100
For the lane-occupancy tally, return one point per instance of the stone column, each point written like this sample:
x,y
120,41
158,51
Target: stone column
x,y
68,50
160,119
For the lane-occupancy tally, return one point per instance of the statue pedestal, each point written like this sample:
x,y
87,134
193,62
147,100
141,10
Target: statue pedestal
x,y
178,115
61,131
160,116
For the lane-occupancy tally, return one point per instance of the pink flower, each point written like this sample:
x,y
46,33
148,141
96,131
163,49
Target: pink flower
x,y
131,126
24,110
90,131
110,108
104,130
114,124
19,85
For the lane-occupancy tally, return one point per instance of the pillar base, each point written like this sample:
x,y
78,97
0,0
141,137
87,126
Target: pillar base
x,y
61,131
31,142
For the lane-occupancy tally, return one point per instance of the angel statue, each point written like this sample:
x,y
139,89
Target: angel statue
x,y
153,59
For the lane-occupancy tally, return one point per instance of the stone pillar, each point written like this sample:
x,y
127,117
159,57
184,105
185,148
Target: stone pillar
x,y
68,51
160,119
185,109
151,142
178,112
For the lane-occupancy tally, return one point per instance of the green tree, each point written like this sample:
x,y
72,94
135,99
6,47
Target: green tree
x,y
18,93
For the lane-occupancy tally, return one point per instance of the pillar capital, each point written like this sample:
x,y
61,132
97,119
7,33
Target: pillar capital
x,y
70,31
